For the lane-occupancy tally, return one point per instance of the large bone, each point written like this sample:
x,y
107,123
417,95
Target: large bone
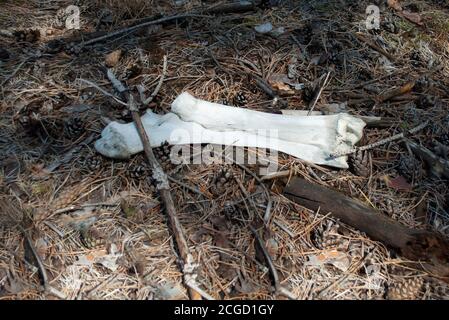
x,y
193,121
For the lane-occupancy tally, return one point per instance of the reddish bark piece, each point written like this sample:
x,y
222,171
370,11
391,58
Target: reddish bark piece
x,y
398,183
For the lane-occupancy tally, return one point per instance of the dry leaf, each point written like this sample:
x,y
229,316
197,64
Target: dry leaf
x,y
101,257
283,84
397,183
336,258
244,286
169,291
421,211
38,171
272,247
412,17
14,285
395,5
112,58
279,86
42,247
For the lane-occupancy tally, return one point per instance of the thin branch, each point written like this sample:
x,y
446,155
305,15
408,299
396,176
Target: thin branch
x,y
271,267
158,87
139,26
103,91
14,72
164,189
319,93
380,142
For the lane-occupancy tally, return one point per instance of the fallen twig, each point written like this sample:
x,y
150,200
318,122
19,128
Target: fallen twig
x,y
381,142
139,26
233,7
319,93
164,189
396,92
374,46
103,91
14,72
263,85
158,87
277,285
268,259
9,209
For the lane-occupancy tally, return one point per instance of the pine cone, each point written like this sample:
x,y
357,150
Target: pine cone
x,y
138,172
224,101
359,163
4,54
240,99
409,289
29,123
72,48
27,35
67,197
74,127
308,93
436,288
230,211
409,167
90,238
221,181
162,153
422,84
390,26
415,59
426,101
54,46
93,162
132,72
326,235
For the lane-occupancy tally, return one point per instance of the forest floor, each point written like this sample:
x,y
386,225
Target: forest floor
x,y
98,225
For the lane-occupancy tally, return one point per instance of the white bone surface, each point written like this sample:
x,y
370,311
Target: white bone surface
x,y
193,121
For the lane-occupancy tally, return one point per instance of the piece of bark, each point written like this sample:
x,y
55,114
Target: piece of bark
x,y
429,249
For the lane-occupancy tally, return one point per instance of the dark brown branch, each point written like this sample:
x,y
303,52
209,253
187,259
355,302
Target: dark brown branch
x,y
429,249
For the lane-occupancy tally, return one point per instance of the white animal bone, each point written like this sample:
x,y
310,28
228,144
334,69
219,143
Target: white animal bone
x,y
193,121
